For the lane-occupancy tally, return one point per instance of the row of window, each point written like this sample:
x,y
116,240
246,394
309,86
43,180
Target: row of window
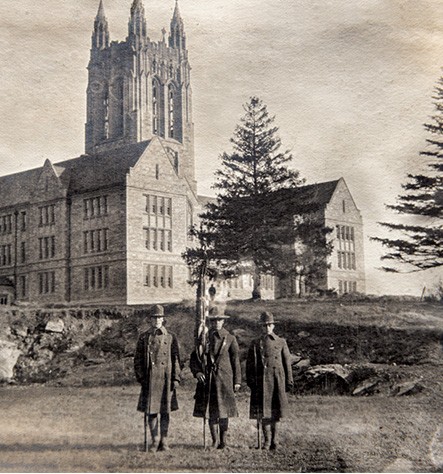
x,y
47,215
347,287
346,260
96,278
158,276
95,240
95,207
158,239
46,282
46,247
345,232
6,224
158,205
5,255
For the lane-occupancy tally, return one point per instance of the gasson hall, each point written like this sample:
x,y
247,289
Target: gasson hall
x,y
110,226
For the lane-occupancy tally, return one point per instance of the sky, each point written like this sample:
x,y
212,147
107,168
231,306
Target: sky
x,y
350,84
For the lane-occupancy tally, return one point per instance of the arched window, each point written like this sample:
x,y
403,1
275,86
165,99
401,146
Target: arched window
x,y
118,108
155,103
106,115
171,95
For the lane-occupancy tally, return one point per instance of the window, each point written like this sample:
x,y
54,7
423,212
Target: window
x,y
95,207
157,171
171,110
189,218
155,107
46,282
339,259
47,215
96,278
158,276
106,116
23,221
95,241
158,235
344,205
23,286
46,247
23,252
6,224
6,255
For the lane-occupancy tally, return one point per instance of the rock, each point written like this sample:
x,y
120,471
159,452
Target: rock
x,y
294,359
303,334
9,354
303,363
335,369
366,387
407,388
55,325
20,330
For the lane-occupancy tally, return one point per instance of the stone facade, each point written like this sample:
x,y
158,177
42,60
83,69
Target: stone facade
x,y
110,226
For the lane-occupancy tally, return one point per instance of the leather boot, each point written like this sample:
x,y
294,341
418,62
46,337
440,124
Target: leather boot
x,y
153,428
164,428
213,428
273,446
266,435
223,433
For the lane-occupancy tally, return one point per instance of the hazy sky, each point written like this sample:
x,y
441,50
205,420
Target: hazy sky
x,y
350,83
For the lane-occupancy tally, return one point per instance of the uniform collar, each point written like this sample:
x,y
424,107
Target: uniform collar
x,y
271,336
219,332
161,330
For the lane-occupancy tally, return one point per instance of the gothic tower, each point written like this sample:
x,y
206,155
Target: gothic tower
x,y
138,89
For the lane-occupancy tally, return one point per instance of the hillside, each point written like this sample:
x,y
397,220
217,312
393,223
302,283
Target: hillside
x,y
384,341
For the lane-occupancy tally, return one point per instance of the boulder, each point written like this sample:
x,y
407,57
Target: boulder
x,y
55,325
9,355
407,388
332,379
334,369
303,334
303,363
366,387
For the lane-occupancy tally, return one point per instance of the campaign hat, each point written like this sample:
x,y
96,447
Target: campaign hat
x,y
215,312
267,318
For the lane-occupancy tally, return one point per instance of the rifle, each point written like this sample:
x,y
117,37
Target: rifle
x,y
145,444
259,412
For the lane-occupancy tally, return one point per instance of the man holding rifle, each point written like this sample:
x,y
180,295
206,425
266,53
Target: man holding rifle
x,y
157,369
269,376
216,366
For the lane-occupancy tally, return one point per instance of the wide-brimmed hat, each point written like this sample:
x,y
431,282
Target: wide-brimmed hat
x,y
267,318
215,312
157,311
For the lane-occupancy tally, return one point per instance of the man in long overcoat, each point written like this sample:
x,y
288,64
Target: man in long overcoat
x,y
269,376
216,366
157,369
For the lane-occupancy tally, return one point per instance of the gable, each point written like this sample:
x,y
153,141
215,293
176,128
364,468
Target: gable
x,y
48,185
341,204
155,169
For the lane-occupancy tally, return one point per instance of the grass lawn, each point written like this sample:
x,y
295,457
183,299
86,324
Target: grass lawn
x,y
59,429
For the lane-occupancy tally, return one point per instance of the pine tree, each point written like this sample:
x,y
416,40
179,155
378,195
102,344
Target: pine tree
x,y
420,246
250,220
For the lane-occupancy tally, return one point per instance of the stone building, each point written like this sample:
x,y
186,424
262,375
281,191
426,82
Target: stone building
x,y
110,226
335,209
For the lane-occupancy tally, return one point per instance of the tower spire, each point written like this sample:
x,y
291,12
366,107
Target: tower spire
x,y
100,35
177,37
137,22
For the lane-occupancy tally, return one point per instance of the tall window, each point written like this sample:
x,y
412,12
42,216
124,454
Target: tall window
x,y
6,224
155,107
23,221
96,278
6,255
46,282
95,240
106,116
158,276
158,234
46,247
171,110
23,286
47,215
23,252
95,207
118,107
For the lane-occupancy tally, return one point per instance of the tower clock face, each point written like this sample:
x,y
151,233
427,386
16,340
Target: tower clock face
x,y
96,86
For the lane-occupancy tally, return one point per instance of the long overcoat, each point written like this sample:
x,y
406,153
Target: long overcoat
x,y
157,367
215,398
269,376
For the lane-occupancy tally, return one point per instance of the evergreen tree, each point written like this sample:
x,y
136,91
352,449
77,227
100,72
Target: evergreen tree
x,y
251,220
420,246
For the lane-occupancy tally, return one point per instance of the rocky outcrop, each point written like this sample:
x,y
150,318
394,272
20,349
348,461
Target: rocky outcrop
x,y
9,354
